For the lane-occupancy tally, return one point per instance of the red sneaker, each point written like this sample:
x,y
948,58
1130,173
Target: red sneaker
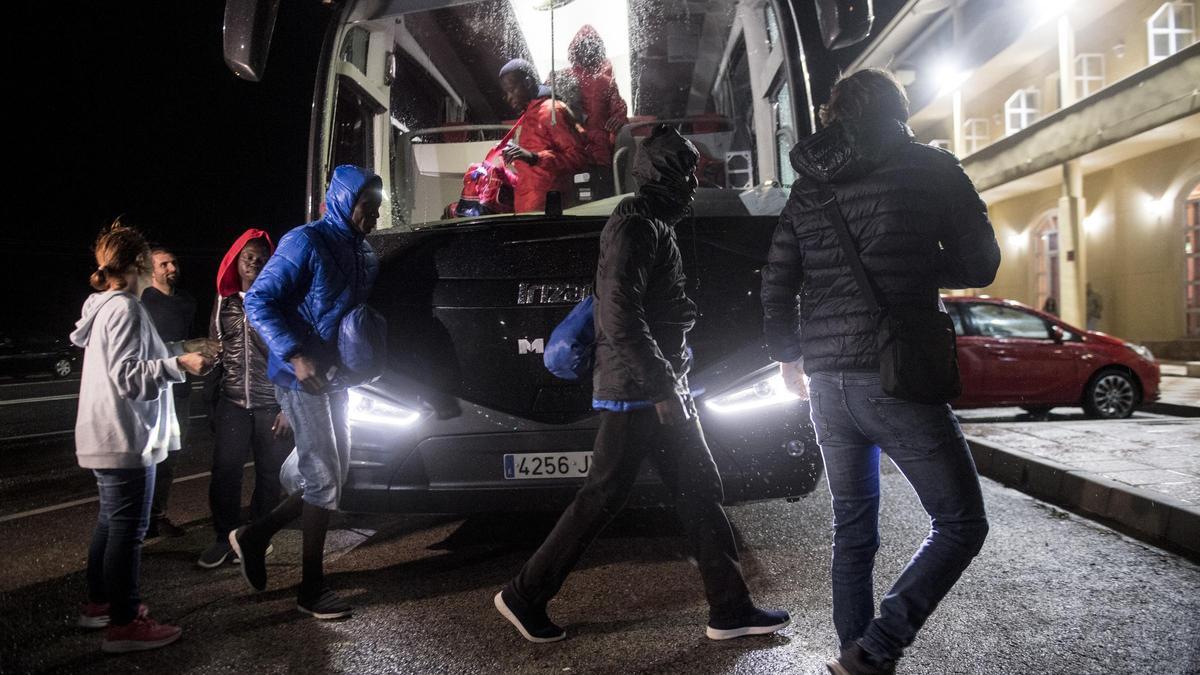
x,y
140,634
95,614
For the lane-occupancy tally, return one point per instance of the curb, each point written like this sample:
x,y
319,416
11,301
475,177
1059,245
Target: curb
x,y
1151,516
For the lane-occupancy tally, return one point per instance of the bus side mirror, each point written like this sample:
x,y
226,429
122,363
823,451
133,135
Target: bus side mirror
x,y
247,36
844,22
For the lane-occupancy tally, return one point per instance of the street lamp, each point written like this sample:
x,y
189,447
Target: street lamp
x,y
950,78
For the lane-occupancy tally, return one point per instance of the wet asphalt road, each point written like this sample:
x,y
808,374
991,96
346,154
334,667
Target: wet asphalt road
x,y
1051,592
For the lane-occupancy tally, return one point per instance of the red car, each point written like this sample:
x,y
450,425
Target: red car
x,y
1013,355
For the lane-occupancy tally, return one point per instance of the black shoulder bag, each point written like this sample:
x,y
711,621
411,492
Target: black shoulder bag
x,y
918,357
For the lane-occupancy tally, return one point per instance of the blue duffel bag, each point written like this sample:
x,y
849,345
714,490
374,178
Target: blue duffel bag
x,y
362,346
571,351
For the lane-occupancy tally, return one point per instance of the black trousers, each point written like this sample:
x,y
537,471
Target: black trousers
x,y
242,432
166,468
681,456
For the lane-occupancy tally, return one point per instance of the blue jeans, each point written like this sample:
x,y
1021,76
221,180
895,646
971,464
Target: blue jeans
x,y
115,556
320,464
854,419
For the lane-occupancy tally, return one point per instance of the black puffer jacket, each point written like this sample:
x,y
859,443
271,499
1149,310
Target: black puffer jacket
x,y
916,220
642,312
244,378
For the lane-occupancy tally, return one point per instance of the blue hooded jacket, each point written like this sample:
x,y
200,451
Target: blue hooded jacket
x,y
319,272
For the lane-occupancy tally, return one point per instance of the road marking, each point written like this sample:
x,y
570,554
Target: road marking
x,y
88,500
41,435
39,399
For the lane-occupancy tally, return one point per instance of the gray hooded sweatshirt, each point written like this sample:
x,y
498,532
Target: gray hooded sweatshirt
x,y
126,414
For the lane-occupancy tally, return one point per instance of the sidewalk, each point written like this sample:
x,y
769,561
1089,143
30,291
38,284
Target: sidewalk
x,y
1141,475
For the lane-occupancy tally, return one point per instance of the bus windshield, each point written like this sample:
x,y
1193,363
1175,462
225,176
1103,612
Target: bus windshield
x,y
478,108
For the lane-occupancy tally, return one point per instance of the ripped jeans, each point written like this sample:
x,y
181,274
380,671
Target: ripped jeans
x,y
854,419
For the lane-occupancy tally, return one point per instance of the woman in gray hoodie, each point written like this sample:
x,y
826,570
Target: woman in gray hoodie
x,y
125,426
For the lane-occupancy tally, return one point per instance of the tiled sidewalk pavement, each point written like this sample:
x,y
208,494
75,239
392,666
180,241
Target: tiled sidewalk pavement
x,y
1161,454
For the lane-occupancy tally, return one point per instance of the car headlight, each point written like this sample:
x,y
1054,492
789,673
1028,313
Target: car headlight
x,y
1141,351
766,390
367,408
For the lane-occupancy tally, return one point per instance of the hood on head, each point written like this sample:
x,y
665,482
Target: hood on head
x,y
228,280
845,151
87,318
587,43
347,184
663,166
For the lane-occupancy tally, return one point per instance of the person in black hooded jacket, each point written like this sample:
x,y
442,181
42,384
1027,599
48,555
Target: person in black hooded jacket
x,y
642,316
918,225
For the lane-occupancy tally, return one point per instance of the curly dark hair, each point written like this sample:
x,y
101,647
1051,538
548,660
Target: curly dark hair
x,y
872,93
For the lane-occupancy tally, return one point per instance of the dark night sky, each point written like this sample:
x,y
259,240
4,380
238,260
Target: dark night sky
x,y
128,108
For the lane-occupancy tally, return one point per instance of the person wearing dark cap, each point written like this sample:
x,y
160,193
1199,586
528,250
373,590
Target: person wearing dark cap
x,y
642,317
546,150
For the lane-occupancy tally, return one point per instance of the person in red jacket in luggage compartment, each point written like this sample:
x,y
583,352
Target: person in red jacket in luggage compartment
x,y
545,151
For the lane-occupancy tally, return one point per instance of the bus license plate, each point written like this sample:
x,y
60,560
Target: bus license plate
x,y
547,465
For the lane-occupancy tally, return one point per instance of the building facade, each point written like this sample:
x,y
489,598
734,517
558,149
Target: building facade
x,y
1091,177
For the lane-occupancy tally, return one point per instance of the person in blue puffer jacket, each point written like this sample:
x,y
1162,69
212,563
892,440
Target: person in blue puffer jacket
x,y
320,272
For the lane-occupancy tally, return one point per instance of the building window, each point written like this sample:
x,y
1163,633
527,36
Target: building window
x,y
1171,28
1191,254
1048,286
1089,75
976,134
1020,110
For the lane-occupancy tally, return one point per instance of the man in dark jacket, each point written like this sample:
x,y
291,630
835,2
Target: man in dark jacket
x,y
320,272
246,417
642,316
173,310
918,225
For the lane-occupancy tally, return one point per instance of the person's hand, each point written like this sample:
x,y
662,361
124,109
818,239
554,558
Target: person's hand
x,y
196,363
672,411
306,372
613,125
210,348
513,152
281,428
794,378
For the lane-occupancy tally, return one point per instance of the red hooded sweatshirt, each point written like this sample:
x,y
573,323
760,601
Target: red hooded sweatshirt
x,y
228,281
601,101
561,154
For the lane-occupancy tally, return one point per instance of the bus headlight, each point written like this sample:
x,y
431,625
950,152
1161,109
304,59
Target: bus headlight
x,y
367,408
766,390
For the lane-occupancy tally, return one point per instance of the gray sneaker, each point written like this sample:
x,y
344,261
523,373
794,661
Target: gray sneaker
x,y
215,555
324,605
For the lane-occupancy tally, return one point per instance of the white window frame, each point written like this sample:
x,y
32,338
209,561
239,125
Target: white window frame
x,y
1179,27
1026,105
1089,75
977,133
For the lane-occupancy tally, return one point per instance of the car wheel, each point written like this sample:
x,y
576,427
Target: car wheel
x,y
1111,394
1036,410
62,368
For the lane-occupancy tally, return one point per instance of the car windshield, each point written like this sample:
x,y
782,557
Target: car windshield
x,y
586,81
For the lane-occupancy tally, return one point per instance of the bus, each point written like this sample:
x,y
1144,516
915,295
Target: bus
x,y
466,417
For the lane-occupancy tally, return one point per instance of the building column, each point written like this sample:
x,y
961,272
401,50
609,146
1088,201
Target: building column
x,y
1072,247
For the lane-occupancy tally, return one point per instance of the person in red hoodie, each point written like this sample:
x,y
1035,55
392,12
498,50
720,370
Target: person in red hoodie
x,y
246,416
604,111
545,150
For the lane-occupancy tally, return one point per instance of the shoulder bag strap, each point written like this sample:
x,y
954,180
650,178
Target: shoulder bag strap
x,y
834,214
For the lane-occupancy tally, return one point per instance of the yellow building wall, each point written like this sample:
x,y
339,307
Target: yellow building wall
x,y
1134,241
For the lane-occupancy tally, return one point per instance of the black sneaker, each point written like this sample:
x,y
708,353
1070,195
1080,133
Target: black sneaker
x,y
235,560
325,605
754,622
215,555
854,660
254,562
163,527
532,622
